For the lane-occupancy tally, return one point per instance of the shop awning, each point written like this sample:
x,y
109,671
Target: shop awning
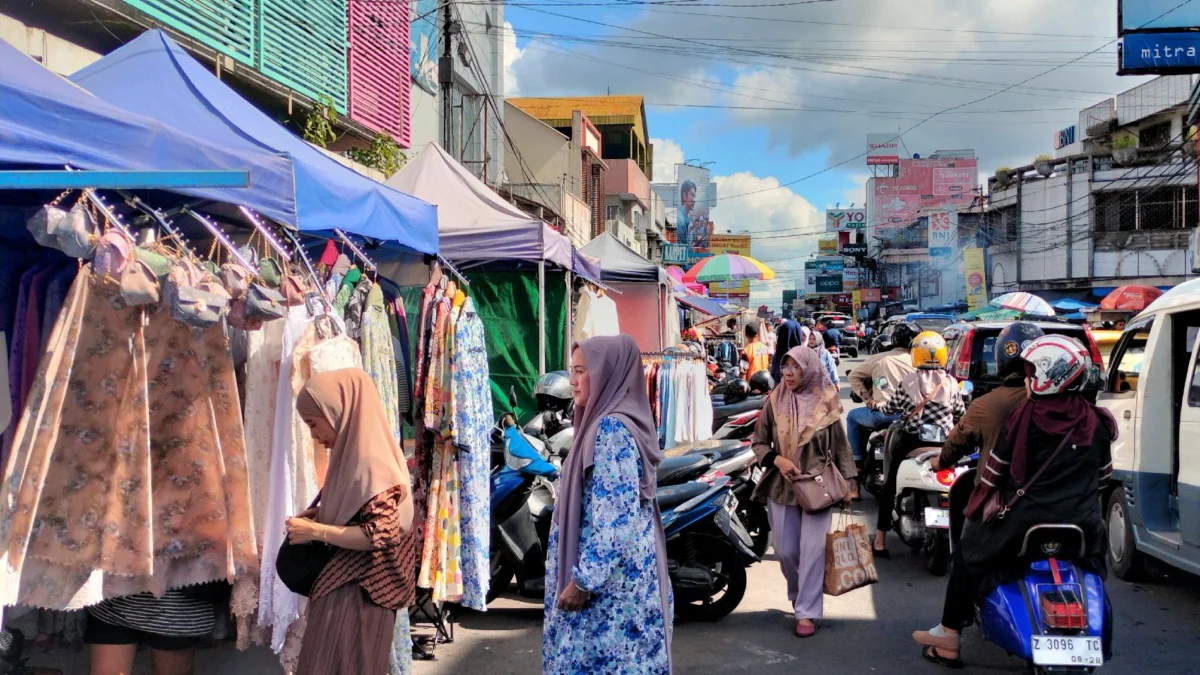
x,y
153,76
475,223
618,262
700,303
47,122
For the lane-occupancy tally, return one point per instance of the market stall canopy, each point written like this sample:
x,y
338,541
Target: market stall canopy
x,y
475,223
1133,298
1071,305
989,313
619,263
153,76
585,266
1024,302
45,121
700,303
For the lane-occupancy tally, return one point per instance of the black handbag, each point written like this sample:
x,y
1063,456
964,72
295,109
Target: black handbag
x,y
299,565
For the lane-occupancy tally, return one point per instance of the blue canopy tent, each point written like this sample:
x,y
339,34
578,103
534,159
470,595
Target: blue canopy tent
x,y
46,122
1071,305
187,95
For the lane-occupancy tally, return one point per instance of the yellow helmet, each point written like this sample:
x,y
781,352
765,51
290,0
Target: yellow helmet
x,y
928,350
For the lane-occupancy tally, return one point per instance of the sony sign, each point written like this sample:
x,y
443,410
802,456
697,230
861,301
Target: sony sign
x,y
1064,137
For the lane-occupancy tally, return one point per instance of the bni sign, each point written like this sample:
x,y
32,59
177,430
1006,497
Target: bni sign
x,y
1064,137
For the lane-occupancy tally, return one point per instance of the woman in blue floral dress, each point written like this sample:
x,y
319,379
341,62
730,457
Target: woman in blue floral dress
x,y
608,596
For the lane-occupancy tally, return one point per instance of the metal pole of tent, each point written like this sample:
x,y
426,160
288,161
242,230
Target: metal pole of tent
x,y
567,341
541,318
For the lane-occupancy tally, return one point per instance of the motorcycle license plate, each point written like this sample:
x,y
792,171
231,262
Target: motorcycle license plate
x,y
938,518
757,474
1053,650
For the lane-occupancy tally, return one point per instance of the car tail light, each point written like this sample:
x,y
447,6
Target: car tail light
x,y
1093,347
962,366
945,477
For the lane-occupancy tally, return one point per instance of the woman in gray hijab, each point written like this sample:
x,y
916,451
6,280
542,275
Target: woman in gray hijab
x,y
608,596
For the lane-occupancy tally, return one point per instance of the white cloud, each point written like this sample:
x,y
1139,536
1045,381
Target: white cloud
x,y
856,195
512,53
667,154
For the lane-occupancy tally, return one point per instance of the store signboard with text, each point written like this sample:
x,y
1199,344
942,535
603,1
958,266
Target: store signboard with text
x,y
870,294
675,254
827,246
922,184
850,278
845,220
693,200
976,274
883,149
949,182
855,250
942,226
738,244
829,283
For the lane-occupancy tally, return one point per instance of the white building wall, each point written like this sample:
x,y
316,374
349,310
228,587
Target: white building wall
x,y
53,52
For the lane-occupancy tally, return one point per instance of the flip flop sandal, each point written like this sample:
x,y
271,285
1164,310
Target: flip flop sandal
x,y
931,654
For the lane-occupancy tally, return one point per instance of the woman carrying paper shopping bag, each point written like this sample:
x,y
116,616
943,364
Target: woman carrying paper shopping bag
x,y
801,441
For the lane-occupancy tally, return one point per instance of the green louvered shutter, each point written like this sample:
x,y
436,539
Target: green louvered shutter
x,y
224,25
303,45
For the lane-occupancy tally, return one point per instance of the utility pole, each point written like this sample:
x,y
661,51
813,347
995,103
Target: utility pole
x,y
450,28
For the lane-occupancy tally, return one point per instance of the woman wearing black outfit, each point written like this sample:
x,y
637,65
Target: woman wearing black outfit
x,y
1067,491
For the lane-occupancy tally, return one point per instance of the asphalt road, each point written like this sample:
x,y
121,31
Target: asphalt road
x,y
1157,627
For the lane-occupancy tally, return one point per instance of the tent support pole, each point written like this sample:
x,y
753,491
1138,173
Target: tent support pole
x,y
541,318
567,341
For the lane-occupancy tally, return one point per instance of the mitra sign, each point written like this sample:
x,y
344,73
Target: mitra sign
x,y
883,149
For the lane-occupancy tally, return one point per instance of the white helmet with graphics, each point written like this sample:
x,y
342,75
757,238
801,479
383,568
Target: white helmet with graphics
x,y
1056,364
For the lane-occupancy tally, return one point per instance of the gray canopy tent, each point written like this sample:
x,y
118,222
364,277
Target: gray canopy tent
x,y
644,288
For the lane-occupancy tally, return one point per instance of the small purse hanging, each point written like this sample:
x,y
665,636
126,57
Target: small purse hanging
x,y
139,284
820,490
45,224
300,565
264,304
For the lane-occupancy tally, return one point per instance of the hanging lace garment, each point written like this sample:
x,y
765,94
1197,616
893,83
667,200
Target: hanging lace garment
x,y
378,358
263,352
129,468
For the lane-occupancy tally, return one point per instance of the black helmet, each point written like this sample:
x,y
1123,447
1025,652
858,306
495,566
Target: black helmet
x,y
1009,344
736,391
761,383
904,333
553,391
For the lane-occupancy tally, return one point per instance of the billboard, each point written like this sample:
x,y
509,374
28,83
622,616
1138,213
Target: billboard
x,y
870,294
855,250
693,200
850,278
883,149
423,43
976,275
827,246
845,220
676,254
729,243
1156,15
825,265
942,234
922,184
1159,53
829,283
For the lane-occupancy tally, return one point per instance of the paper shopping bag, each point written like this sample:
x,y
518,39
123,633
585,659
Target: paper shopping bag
x,y
849,561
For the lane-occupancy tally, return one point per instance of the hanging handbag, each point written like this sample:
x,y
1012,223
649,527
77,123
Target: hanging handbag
x,y
264,304
300,565
819,490
112,254
293,291
139,284
159,264
44,224
270,272
78,236
236,279
987,505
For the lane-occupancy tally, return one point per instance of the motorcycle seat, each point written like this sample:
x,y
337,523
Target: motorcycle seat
x,y
722,448
674,469
673,495
722,411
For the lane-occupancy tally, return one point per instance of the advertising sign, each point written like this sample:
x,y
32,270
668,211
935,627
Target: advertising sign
x,y
941,234
728,243
825,265
828,246
976,278
843,220
870,294
1064,137
675,254
1159,53
829,283
856,250
1156,15
693,201
423,43
850,277
810,282
883,149
949,182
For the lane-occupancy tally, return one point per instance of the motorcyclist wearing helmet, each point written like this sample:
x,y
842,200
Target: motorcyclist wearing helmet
x,y
761,383
554,400
874,381
980,427
1059,433
928,395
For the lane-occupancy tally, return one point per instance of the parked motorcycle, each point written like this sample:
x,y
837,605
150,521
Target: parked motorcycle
x,y
1057,616
523,496
706,461
922,508
708,549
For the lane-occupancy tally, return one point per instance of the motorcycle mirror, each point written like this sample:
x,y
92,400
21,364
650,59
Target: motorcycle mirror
x,y
967,387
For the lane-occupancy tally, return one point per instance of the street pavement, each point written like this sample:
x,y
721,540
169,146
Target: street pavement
x,y
1157,626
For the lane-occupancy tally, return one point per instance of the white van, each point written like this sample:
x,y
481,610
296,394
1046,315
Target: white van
x,y
1153,391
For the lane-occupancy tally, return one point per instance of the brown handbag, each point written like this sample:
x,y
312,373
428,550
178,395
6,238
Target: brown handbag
x,y
819,490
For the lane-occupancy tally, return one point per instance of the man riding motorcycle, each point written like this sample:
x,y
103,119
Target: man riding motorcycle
x,y
1050,462
980,427
874,381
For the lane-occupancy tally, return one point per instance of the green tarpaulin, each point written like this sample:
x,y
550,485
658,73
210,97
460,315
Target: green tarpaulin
x,y
990,314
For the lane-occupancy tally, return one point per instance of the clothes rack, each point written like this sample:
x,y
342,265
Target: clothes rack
x,y
220,236
603,287
366,261
265,232
453,270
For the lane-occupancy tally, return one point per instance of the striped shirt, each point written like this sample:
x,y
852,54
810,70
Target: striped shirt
x,y
174,614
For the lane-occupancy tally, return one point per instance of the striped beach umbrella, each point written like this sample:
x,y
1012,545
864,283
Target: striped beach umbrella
x,y
728,267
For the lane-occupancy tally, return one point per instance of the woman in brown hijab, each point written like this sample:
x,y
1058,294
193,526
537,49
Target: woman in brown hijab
x,y
365,511
799,431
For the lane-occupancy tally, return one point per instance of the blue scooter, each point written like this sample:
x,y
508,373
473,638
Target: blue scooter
x,y
708,548
1057,617
523,494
